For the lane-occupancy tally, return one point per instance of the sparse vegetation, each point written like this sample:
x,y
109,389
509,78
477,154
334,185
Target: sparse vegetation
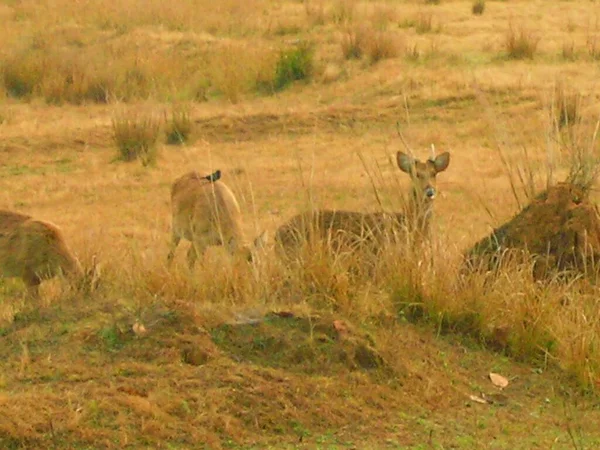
x,y
520,43
136,136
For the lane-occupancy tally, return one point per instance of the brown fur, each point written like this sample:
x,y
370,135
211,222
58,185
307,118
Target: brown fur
x,y
353,230
33,250
207,213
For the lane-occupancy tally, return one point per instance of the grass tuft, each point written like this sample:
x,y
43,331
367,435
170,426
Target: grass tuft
x,y
566,106
376,45
179,128
520,43
136,137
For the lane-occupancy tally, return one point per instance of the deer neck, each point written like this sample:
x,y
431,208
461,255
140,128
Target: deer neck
x,y
419,213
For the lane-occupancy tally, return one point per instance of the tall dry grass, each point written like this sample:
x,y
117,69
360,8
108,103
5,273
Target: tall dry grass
x,y
197,50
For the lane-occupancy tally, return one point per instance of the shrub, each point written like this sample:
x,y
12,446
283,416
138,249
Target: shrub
x,y
179,128
478,7
293,65
520,43
136,137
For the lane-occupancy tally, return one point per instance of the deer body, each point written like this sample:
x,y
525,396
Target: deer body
x,y
353,230
206,213
33,250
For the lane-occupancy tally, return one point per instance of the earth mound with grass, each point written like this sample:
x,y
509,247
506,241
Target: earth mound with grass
x,y
310,345
559,229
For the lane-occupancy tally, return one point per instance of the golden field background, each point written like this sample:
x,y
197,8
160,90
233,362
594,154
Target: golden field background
x,y
69,68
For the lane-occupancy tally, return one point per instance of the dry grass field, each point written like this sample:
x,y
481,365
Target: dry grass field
x,y
297,103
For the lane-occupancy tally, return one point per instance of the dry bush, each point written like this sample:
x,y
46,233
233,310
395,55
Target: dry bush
x,y
478,7
520,43
178,129
62,74
136,136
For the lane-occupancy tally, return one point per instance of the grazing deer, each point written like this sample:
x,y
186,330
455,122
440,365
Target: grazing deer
x,y
353,230
34,250
206,213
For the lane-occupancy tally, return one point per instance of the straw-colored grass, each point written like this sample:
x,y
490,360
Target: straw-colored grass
x,y
160,356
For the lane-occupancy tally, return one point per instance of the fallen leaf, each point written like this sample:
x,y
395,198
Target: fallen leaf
x,y
498,380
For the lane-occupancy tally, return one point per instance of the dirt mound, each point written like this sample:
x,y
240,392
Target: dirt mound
x,y
306,345
560,229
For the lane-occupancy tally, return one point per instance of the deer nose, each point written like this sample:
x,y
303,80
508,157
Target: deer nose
x,y
430,192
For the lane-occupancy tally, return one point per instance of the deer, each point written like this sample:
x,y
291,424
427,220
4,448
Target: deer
x,y
34,250
206,213
352,230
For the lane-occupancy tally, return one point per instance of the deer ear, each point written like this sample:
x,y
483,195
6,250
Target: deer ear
x,y
441,162
405,162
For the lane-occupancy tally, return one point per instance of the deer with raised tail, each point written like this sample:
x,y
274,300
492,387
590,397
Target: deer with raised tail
x,y
206,213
